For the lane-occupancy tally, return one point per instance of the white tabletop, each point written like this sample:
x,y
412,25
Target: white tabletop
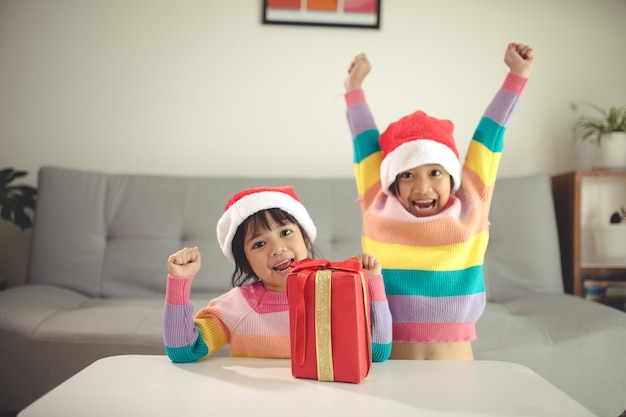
x,y
141,385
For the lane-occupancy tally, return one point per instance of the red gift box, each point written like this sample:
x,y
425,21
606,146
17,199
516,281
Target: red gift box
x,y
329,320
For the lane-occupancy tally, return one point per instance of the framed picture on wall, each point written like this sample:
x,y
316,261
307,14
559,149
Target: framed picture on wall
x,y
345,13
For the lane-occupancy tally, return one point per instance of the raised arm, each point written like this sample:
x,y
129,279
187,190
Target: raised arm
x,y
183,341
367,153
485,150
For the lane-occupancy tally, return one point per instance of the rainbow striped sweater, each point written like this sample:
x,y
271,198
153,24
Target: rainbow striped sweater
x,y
254,321
432,266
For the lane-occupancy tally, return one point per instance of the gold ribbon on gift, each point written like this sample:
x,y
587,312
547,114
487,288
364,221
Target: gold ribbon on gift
x,y
323,340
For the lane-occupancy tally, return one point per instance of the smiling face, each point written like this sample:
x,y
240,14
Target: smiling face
x,y
424,190
270,247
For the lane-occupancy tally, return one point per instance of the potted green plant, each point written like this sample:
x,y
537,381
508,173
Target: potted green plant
x,y
16,199
605,128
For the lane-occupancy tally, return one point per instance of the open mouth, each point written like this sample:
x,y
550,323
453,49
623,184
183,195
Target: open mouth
x,y
424,204
284,266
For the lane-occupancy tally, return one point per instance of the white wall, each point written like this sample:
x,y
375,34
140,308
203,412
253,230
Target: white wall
x,y
203,87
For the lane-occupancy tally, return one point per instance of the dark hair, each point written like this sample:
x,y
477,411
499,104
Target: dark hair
x,y
257,222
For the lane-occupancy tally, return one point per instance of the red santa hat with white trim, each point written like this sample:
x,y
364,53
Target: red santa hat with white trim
x,y
415,140
248,202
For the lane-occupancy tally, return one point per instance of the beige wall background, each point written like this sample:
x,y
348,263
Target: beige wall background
x,y
202,87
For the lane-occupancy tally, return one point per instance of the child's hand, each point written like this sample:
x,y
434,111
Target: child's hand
x,y
520,59
184,263
370,264
358,70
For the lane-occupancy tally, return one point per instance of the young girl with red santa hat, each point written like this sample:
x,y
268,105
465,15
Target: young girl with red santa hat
x,y
429,229
263,231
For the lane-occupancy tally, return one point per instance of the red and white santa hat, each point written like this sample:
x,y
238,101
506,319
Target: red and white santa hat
x,y
418,139
245,203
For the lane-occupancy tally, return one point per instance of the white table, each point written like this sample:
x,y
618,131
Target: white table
x,y
141,385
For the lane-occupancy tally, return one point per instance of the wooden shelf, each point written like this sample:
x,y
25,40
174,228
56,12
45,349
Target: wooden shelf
x,y
569,201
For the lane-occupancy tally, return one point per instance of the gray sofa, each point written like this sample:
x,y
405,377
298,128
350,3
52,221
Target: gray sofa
x,y
97,273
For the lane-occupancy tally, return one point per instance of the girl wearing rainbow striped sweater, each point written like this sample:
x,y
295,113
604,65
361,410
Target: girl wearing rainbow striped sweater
x,y
263,231
428,229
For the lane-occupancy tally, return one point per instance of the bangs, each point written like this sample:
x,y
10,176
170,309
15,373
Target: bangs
x,y
260,222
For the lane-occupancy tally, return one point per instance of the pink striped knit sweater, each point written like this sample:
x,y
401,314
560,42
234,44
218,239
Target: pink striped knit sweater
x,y
254,321
432,266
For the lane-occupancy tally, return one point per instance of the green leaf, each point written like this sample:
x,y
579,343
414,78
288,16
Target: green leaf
x,y
602,122
15,199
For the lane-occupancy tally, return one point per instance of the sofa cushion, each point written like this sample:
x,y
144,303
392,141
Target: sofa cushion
x,y
116,231
47,313
539,321
523,255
